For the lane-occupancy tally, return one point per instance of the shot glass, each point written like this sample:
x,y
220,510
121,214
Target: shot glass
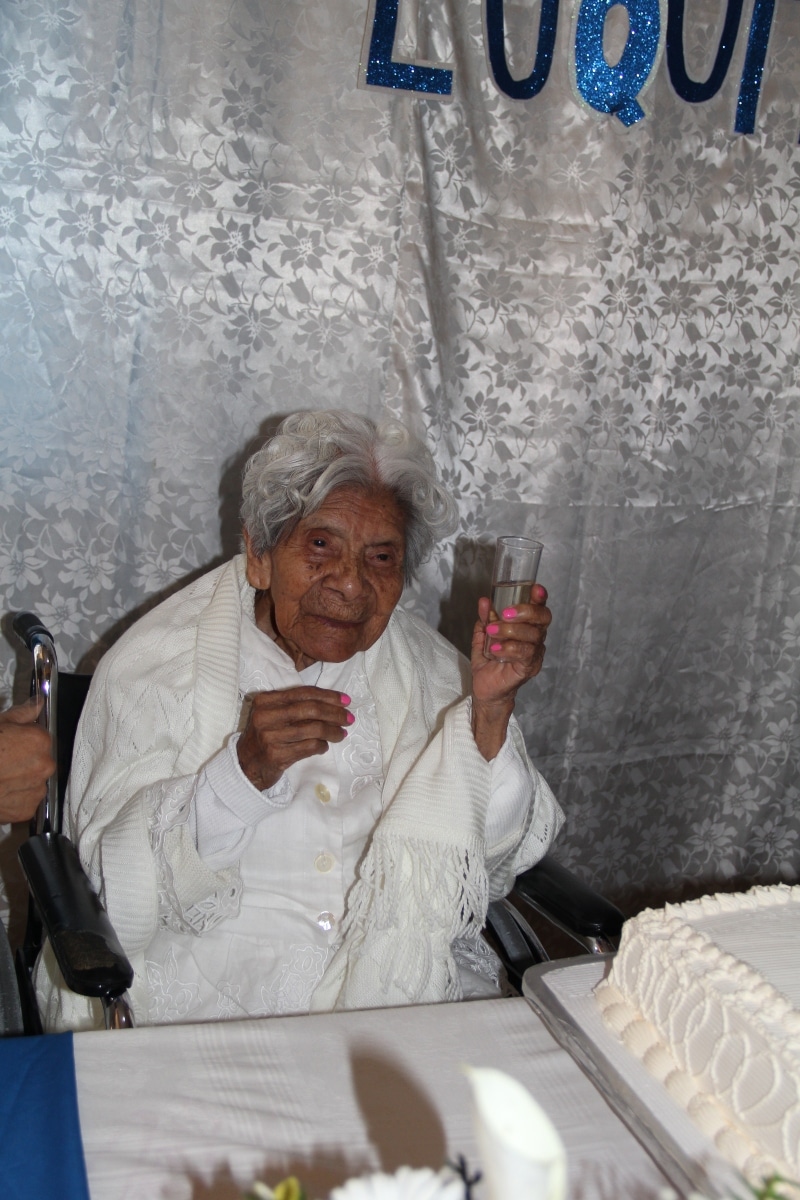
x,y
516,561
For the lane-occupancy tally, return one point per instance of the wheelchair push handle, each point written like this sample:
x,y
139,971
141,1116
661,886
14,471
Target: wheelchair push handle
x,y
29,629
44,688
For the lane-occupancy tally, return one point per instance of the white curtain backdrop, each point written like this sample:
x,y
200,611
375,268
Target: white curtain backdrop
x,y
207,224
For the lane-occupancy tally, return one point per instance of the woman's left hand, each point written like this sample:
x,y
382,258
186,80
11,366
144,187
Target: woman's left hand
x,y
520,633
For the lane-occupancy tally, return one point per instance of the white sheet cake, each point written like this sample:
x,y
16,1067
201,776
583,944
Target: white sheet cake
x,y
707,995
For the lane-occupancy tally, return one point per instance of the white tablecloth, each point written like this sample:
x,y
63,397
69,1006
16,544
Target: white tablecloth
x,y
196,1112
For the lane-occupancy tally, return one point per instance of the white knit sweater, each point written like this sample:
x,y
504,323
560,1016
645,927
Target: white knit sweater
x,y
165,699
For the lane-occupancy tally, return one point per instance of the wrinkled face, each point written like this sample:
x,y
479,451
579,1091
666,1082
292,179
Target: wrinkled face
x,y
328,589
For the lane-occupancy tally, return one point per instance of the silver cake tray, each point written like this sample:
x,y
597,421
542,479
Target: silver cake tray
x,y
561,993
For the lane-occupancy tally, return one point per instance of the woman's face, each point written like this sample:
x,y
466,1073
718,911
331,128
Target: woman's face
x,y
329,588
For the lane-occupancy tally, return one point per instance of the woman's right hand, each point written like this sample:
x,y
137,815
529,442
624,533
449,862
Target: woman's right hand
x,y
287,725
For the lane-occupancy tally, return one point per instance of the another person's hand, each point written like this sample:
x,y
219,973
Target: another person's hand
x,y
25,762
521,638
287,725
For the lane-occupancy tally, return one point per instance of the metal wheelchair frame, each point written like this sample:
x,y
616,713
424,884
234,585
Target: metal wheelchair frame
x,y
63,908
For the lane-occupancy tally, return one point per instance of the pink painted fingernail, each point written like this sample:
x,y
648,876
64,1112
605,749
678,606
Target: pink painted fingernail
x,y
509,614
492,628
496,647
350,719
345,699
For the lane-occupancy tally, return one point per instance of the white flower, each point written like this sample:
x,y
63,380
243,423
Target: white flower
x,y
406,1184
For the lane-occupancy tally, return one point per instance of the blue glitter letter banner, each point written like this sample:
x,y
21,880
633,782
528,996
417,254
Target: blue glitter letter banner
x,y
615,89
686,87
381,70
494,20
753,70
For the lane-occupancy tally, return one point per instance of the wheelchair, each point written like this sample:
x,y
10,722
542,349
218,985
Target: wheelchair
x,y
64,909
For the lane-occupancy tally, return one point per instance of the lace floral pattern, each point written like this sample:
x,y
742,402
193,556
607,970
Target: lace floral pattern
x,y
170,998
228,1000
291,991
361,751
173,998
213,909
169,805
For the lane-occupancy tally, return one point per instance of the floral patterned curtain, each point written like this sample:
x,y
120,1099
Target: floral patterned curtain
x,y
591,315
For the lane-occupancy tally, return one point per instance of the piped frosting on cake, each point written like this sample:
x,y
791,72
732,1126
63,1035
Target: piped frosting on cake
x,y
720,1037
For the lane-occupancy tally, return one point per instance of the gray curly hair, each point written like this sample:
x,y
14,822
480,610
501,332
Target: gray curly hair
x,y
315,452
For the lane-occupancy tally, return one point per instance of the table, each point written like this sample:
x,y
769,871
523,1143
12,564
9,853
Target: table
x,y
195,1112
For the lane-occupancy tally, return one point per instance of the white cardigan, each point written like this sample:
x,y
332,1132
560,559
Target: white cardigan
x,y
163,702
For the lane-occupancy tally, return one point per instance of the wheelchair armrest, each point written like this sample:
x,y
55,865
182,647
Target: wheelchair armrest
x,y
86,947
571,904
517,947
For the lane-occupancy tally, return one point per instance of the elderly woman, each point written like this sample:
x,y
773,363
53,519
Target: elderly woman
x,y
291,793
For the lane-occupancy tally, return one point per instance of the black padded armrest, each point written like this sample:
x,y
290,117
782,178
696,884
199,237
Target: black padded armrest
x,y
86,947
554,890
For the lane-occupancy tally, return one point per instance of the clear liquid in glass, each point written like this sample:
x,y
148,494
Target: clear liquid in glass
x,y
507,593
510,593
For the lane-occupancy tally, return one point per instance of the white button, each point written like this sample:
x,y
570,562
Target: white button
x,y
323,793
324,862
326,920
